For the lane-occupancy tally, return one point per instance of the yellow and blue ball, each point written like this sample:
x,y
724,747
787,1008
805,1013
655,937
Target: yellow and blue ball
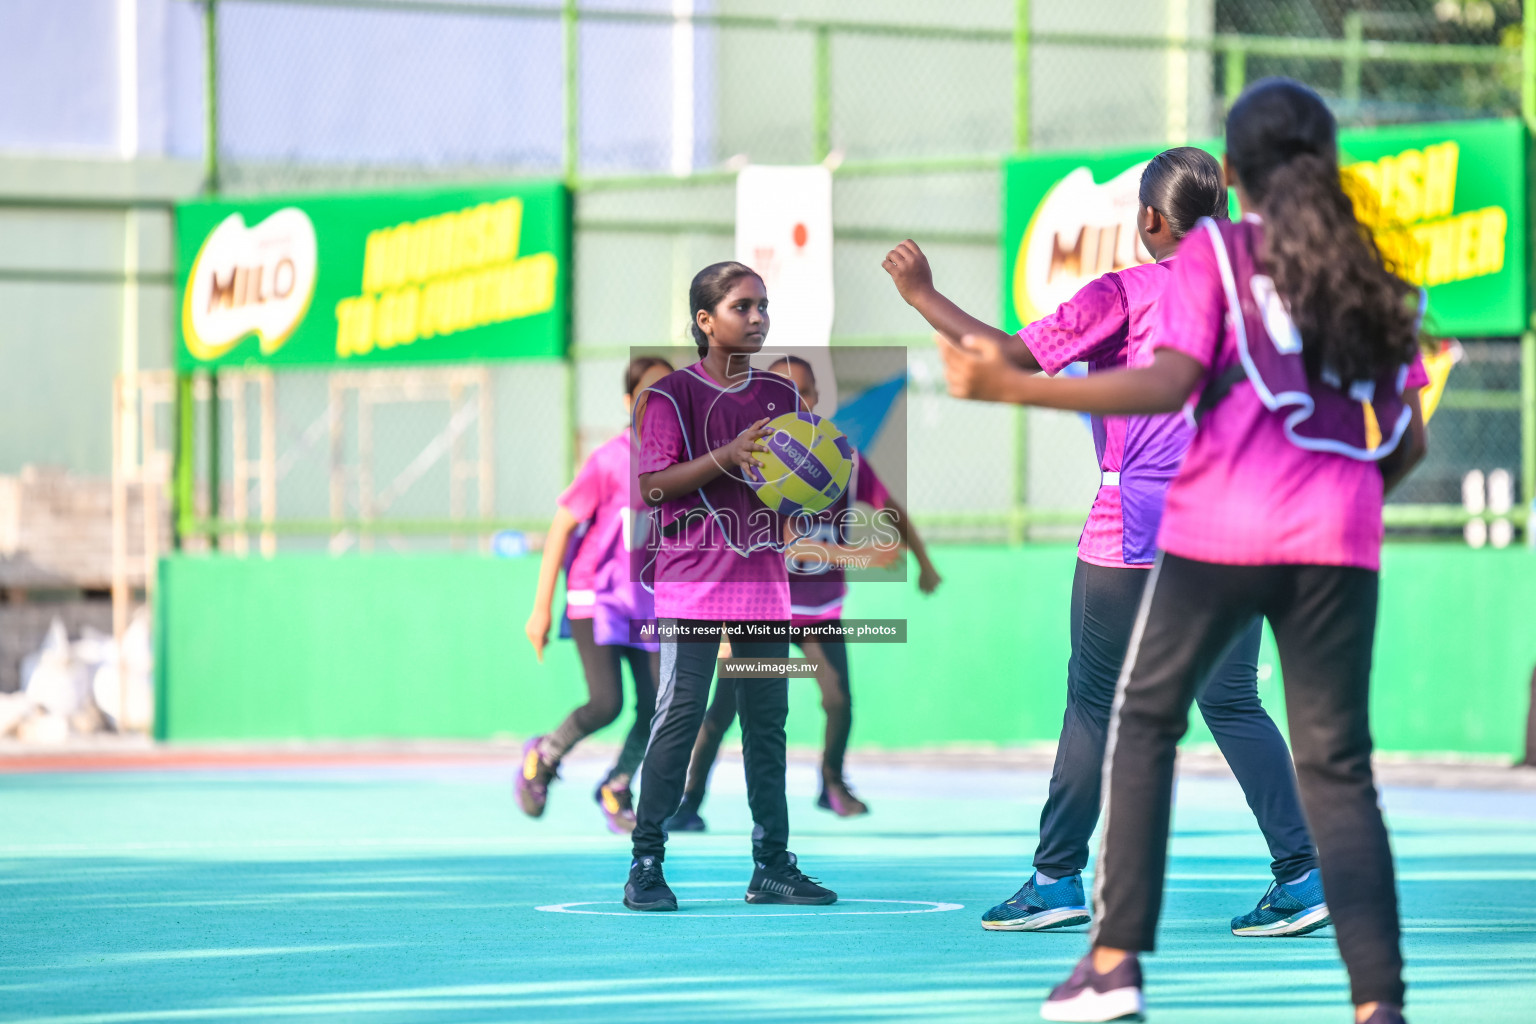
x,y
806,467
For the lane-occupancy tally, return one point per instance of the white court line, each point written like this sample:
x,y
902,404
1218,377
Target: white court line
x,y
928,907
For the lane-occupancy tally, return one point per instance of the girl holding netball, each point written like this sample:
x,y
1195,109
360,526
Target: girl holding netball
x,y
600,510
1108,324
1301,346
817,587
720,563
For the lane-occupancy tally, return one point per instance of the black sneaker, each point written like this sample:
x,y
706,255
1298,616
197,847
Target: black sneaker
x,y
646,888
786,883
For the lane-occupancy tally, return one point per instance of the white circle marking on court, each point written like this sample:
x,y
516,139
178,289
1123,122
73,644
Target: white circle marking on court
x,y
920,907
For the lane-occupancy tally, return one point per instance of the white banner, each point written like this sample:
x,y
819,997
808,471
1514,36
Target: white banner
x,y
784,232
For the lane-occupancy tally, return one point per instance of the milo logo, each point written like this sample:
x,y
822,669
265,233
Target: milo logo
x,y
250,280
1081,230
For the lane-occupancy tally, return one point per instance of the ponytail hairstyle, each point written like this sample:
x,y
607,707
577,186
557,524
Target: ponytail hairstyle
x,y
1356,317
638,368
1183,185
709,288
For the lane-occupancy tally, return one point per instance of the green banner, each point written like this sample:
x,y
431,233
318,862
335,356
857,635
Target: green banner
x,y
465,273
1447,203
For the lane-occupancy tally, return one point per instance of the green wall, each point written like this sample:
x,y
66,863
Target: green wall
x,y
432,646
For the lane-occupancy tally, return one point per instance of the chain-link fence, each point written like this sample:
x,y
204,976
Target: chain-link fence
x,y
645,107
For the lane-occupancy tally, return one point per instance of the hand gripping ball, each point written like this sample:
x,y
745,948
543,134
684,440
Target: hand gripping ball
x,y
806,467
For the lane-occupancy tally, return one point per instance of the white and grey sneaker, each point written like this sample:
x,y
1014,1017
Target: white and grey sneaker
x,y
786,883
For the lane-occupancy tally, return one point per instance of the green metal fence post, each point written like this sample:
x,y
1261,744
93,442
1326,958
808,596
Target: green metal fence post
x,y
570,26
184,455
1021,76
1354,38
821,113
1234,72
184,474
1528,68
1018,520
571,30
215,457
211,97
1528,340
1528,422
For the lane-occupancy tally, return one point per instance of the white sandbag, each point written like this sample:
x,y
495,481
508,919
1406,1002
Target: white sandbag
x,y
52,677
138,661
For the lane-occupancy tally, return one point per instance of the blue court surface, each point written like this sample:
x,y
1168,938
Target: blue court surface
x,y
415,891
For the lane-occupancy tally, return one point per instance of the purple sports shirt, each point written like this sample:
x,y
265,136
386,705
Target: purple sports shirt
x,y
601,583
1109,324
720,552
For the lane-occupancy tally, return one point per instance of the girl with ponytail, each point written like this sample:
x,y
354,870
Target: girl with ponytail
x,y
1109,324
719,565
1294,348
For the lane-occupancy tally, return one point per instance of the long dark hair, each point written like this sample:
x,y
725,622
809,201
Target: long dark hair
x,y
1356,317
709,288
638,367
1184,184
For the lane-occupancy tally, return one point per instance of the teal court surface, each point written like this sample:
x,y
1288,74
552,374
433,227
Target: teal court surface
x,y
414,891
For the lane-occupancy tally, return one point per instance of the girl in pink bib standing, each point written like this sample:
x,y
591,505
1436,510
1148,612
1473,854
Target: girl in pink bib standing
x,y
1299,348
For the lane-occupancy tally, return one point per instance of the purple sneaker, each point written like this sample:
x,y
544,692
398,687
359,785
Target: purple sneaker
x,y
618,806
1384,1014
1090,996
534,775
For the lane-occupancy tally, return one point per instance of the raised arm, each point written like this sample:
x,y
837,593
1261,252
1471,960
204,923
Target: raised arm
x,y
909,269
977,369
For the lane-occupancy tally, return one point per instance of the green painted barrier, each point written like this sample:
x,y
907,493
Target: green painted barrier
x,y
432,646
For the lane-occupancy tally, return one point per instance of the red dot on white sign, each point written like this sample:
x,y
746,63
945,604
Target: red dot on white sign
x,y
800,234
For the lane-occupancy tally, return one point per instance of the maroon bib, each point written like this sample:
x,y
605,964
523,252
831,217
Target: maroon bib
x,y
1363,420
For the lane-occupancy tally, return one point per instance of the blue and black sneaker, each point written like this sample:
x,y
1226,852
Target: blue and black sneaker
x,y
1036,908
1296,908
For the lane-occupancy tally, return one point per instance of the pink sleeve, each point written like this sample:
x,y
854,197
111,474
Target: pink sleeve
x,y
585,493
1191,314
1418,376
661,434
869,488
1091,325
